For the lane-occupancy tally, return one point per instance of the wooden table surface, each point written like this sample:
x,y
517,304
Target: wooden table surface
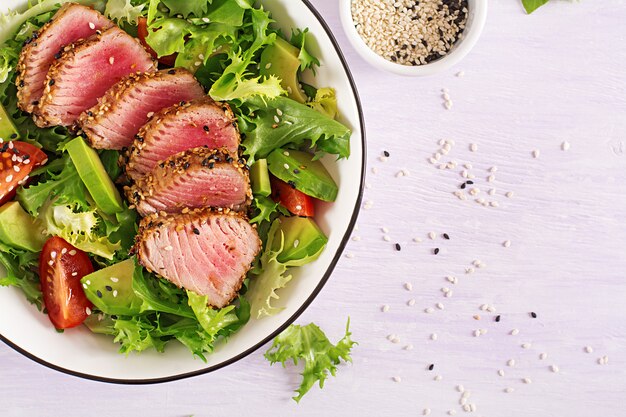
x,y
531,83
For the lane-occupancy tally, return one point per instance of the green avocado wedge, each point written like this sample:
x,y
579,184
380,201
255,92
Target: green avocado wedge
x,y
94,176
303,239
260,178
302,172
19,229
8,131
281,59
111,289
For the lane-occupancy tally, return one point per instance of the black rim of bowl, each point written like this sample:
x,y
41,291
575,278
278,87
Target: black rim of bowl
x,y
302,308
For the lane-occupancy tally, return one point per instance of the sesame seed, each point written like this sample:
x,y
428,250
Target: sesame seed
x,y
386,238
501,372
397,379
298,207
527,380
433,336
72,252
398,247
429,310
417,239
506,243
150,114
92,26
63,251
440,306
9,178
50,262
16,168
588,349
536,153
85,286
476,333
205,20
432,235
452,412
88,311
408,347
543,356
431,366
197,63
554,368
53,254
446,236
526,345
565,146
286,166
510,362
411,302
168,248
74,274
296,243
438,378
426,412
498,318
113,279
356,238
509,194
473,147
374,170
99,293
349,255
111,60
436,251
509,390
385,308
408,286
514,332
384,230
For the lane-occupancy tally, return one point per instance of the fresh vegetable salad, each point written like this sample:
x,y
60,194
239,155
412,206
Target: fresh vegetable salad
x,y
160,165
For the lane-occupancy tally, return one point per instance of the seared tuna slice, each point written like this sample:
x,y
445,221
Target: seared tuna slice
x,y
198,123
85,71
206,251
116,119
196,178
73,22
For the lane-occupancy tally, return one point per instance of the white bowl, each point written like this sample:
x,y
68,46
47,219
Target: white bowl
x,y
81,353
473,29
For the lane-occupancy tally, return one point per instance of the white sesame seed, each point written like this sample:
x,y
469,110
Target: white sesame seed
x,y
508,390
268,66
588,349
448,104
510,362
92,26
506,243
473,147
476,333
509,194
433,336
85,286
50,262
113,279
168,248
296,243
9,178
429,310
205,20
16,168
276,119
469,270
527,380
438,378
554,369
349,255
280,113
408,286
426,412
543,356
386,238
460,388
565,146
448,294
382,158
385,308
440,306
536,153
491,178
374,170
468,165
114,293
286,153
514,332
201,57
397,379
491,309
53,254
493,169
150,114
431,235
491,191
356,238
111,60
88,311
399,174
63,251
466,394
451,279
501,372
452,412
526,345
286,166
408,347
466,407
411,302
417,239
432,160
74,274
483,307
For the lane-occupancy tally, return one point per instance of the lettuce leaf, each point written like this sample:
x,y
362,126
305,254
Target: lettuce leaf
x,y
123,10
298,39
297,124
325,102
273,274
310,345
19,267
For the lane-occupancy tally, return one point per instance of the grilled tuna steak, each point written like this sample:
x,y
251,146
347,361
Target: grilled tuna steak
x,y
198,123
206,251
196,178
85,71
73,22
116,119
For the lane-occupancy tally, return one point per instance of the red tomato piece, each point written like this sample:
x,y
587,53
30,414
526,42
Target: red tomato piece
x,y
61,267
298,203
142,33
17,160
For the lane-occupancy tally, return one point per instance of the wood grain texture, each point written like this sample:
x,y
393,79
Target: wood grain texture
x,y
532,82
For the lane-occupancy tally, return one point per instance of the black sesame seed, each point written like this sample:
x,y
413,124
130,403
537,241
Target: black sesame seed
x,y
172,164
498,318
172,72
211,165
89,113
162,164
36,103
57,55
51,82
14,135
114,317
99,293
533,315
436,251
463,186
469,182
398,247
386,154
206,128
108,288
196,231
296,171
446,236
292,184
431,366
182,103
186,165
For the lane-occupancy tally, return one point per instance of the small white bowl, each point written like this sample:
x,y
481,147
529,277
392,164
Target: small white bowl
x,y
473,29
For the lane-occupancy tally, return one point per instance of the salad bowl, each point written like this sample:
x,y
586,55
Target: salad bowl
x,y
81,353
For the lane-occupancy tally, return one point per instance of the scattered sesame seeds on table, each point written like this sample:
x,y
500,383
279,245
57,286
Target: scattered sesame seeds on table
x,y
522,89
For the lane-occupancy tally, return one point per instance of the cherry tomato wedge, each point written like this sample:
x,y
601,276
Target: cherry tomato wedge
x,y
142,33
61,267
298,203
17,160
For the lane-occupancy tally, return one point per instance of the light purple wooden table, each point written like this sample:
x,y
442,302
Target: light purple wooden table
x,y
532,83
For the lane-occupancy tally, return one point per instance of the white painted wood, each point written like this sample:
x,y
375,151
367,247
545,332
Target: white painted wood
x,y
532,82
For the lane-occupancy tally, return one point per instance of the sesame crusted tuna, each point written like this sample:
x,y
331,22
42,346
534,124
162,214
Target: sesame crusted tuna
x,y
116,119
73,22
205,251
201,122
85,71
196,178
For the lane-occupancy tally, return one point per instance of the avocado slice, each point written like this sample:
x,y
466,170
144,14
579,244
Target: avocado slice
x,y
94,176
260,178
8,131
19,229
298,169
281,59
303,238
111,289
